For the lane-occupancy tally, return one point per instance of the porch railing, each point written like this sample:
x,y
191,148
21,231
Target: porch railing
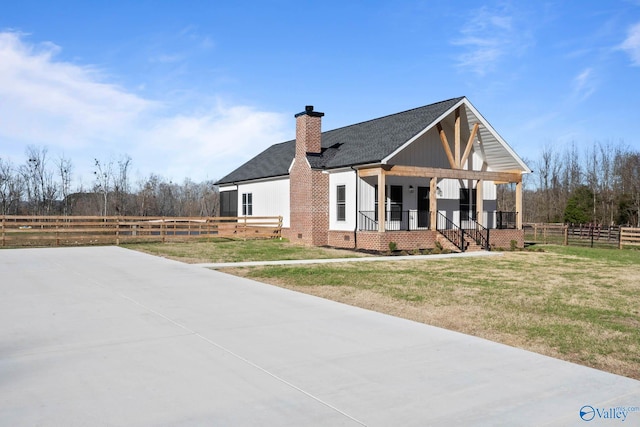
x,y
395,220
451,231
506,220
478,233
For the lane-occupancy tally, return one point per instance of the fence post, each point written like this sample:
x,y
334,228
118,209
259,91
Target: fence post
x,y
245,228
162,229
3,239
566,235
57,231
620,238
118,231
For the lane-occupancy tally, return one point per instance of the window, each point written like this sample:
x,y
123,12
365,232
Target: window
x,y
467,204
247,204
229,203
395,202
395,199
341,202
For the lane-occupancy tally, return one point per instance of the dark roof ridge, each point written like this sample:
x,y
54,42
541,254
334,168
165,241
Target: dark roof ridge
x,y
359,143
395,114
379,118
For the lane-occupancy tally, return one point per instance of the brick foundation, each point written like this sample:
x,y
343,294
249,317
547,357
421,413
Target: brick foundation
x,y
404,240
341,239
502,238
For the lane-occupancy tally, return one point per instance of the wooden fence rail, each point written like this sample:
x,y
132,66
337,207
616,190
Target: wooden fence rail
x,y
629,237
583,235
18,231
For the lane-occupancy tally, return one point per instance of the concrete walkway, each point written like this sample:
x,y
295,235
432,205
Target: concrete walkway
x,y
108,336
218,265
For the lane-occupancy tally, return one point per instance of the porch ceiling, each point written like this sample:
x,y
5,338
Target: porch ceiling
x,y
498,155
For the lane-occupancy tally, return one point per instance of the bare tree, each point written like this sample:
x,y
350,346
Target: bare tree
x,y
10,188
122,186
549,173
65,169
572,170
628,175
38,179
209,199
104,175
592,175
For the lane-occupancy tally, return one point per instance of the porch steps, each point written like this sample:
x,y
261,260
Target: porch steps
x,y
446,243
470,244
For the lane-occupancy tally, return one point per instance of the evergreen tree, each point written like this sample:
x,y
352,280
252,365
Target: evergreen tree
x,y
579,208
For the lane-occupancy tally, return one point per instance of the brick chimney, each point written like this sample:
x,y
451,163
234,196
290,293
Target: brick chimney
x,y
308,132
308,188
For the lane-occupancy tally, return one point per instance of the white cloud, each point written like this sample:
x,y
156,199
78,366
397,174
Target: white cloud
x,y
485,38
584,84
632,44
47,101
73,110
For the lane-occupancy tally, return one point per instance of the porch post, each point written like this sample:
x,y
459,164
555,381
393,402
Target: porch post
x,y
480,202
433,203
382,201
519,205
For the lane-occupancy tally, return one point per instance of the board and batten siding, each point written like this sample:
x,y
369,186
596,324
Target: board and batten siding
x,y
426,151
270,198
348,179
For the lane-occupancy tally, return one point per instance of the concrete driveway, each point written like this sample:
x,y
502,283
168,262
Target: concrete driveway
x,y
108,336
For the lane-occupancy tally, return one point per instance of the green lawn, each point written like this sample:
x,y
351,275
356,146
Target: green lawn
x,y
578,304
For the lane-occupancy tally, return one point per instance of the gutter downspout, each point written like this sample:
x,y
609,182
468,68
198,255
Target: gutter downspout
x,y
355,229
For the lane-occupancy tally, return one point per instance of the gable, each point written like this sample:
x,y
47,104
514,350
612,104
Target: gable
x,y
489,148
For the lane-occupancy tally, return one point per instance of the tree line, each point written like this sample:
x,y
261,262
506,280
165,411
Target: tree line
x,y
43,185
599,184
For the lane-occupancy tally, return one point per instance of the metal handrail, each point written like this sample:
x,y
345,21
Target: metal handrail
x,y
395,220
479,233
451,231
366,222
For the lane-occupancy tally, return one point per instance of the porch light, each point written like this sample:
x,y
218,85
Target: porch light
x,y
411,189
438,191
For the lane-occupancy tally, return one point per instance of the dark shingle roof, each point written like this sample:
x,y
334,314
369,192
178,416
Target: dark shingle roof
x,y
362,143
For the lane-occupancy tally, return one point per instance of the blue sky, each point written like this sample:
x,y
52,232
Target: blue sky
x,y
195,88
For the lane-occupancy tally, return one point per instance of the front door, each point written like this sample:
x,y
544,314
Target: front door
x,y
423,207
467,206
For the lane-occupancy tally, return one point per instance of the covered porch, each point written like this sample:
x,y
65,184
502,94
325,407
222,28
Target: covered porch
x,y
448,202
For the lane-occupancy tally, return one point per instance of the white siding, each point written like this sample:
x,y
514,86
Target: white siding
x,y
270,198
426,151
348,179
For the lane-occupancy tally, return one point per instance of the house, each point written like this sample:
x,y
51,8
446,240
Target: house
x,y
435,169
